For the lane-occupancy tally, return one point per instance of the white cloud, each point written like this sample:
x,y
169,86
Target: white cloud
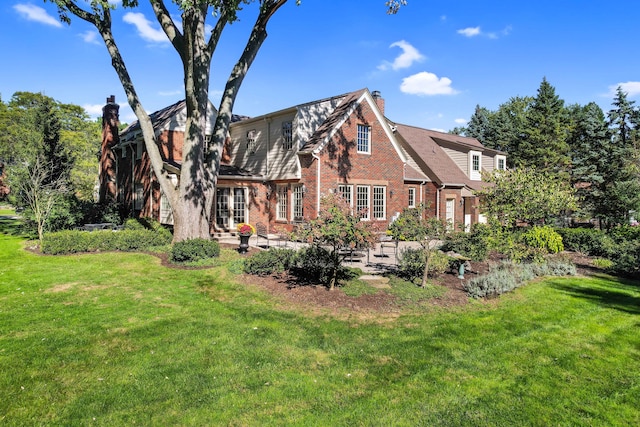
x,y
90,37
470,31
461,121
145,28
427,84
631,88
35,13
94,110
408,56
476,31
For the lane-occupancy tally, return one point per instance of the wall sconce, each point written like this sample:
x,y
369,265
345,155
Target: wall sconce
x,y
254,191
461,202
391,193
304,188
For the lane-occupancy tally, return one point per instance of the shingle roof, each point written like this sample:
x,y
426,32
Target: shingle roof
x,y
318,137
439,166
226,170
160,118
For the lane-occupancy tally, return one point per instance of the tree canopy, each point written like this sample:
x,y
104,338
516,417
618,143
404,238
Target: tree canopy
x,y
191,202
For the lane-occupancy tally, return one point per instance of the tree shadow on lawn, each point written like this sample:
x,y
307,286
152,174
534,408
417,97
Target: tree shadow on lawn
x,y
609,297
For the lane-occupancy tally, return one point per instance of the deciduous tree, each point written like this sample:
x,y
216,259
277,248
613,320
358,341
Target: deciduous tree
x,y
525,195
339,231
412,225
191,202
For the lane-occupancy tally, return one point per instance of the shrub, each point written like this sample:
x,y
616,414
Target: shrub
x,y
588,241
272,261
74,241
626,259
602,263
545,238
194,250
412,263
314,264
474,244
507,276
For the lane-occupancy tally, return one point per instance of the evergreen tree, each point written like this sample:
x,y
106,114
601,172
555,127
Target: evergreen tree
x,y
622,183
545,144
508,128
590,143
479,126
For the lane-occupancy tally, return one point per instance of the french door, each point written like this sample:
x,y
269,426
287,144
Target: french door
x,y
231,207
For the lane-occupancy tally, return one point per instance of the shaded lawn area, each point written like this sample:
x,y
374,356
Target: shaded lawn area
x,y
116,338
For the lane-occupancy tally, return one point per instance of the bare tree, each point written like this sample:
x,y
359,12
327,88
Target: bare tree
x,y
32,184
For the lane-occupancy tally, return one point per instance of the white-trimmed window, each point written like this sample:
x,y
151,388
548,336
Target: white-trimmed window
x,y
282,205
362,201
364,139
379,202
138,200
297,205
501,163
252,141
475,165
346,192
239,205
139,146
412,197
287,135
166,214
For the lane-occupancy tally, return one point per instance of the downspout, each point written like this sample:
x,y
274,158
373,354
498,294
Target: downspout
x,y
422,184
438,201
317,183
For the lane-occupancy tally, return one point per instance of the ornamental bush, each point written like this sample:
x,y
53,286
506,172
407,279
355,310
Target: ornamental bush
x,y
588,241
74,241
194,250
544,238
474,244
506,276
271,262
412,263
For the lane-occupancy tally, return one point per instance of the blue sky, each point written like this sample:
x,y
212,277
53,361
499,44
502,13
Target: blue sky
x,y
433,62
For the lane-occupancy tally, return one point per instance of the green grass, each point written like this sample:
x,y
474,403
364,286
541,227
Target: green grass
x,y
115,338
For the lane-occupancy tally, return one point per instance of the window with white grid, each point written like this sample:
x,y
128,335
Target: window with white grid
x,y
252,141
379,202
298,194
364,139
281,211
287,135
239,207
346,192
412,197
362,201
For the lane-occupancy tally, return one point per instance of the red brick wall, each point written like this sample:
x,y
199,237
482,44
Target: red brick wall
x,y
340,163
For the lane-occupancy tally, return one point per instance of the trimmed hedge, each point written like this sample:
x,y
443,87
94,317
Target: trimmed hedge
x,y
194,250
74,241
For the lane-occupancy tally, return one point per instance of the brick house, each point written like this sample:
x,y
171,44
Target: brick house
x,y
276,167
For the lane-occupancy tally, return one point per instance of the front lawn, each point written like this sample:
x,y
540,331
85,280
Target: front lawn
x,y
117,338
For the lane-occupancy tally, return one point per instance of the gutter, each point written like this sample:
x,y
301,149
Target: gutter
x,y
315,156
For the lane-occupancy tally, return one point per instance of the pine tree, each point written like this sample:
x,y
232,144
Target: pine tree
x,y
544,146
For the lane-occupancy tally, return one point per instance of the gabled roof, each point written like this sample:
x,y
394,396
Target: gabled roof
x,y
332,122
438,165
226,170
172,117
340,115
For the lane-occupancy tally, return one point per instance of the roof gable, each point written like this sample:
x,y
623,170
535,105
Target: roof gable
x,y
323,134
173,117
424,144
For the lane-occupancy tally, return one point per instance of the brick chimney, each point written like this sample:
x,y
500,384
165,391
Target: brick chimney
x,y
379,101
110,137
